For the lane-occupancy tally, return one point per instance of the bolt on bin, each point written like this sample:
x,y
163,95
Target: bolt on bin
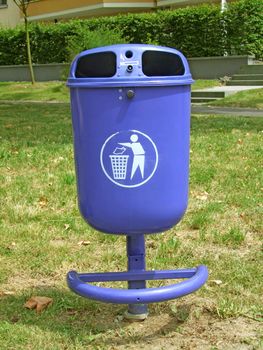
x,y
131,123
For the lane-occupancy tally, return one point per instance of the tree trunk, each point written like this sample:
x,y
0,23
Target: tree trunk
x,y
29,52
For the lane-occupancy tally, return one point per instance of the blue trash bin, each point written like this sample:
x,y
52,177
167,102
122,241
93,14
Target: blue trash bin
x,y
131,120
131,116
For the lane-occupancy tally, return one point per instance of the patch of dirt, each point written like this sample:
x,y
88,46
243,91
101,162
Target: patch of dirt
x,y
191,326
18,283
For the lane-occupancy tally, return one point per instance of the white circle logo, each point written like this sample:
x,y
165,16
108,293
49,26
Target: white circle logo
x,y
129,158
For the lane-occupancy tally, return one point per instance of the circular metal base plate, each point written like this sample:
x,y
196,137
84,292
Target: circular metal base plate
x,y
135,317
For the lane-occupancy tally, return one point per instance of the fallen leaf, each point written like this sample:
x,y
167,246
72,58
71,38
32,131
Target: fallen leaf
x,y
202,196
43,201
84,243
151,244
217,282
11,246
71,312
57,160
38,303
31,304
66,226
6,293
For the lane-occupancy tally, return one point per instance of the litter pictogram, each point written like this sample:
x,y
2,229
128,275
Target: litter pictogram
x,y
126,165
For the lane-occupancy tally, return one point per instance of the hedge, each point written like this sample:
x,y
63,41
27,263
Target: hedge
x,y
196,31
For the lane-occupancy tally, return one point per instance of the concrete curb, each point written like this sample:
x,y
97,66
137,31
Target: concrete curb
x,y
232,111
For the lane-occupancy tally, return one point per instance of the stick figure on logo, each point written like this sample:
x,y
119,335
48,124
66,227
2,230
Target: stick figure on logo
x,y
138,154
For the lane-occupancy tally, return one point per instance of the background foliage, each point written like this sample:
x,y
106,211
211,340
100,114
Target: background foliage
x,y
196,31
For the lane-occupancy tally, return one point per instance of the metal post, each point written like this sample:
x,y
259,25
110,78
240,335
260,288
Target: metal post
x,y
136,262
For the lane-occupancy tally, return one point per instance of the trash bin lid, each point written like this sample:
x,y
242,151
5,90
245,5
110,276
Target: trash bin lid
x,y
129,65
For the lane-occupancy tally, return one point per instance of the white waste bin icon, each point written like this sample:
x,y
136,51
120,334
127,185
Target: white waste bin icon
x,y
119,166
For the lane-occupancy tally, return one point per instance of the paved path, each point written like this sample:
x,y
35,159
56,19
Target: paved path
x,y
232,111
229,90
17,102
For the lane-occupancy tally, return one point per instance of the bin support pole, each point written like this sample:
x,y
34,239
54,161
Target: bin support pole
x,y
136,262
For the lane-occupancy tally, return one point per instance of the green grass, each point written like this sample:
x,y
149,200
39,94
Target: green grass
x,y
203,84
57,91
23,91
246,99
40,228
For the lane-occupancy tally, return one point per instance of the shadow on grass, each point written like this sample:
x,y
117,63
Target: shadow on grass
x,y
85,321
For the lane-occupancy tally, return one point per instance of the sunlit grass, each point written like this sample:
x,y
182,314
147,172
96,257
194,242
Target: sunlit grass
x,y
44,91
246,99
203,84
57,91
40,231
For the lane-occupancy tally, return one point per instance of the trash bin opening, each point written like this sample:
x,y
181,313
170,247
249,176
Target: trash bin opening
x,y
96,65
157,63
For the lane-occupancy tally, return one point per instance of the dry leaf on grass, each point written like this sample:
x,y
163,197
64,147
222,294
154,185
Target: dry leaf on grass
x,y
202,196
84,243
11,246
42,201
71,312
5,293
217,282
38,303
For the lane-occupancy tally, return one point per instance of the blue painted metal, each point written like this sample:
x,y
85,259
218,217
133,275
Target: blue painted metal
x,y
136,262
136,275
138,296
124,79
103,116
149,115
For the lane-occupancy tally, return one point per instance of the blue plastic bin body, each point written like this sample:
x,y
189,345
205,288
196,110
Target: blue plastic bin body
x,y
131,137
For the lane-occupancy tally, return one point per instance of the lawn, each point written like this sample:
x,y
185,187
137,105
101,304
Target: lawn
x,y
49,91
57,91
248,99
42,234
203,84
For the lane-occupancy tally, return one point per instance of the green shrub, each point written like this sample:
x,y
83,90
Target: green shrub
x,y
196,31
244,23
12,46
86,39
49,42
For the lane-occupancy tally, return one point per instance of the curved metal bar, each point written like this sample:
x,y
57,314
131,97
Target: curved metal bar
x,y
137,296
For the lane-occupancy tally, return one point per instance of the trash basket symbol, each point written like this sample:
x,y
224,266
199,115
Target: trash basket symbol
x,y
119,166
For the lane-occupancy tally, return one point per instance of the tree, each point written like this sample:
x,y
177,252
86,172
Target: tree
x,y
23,6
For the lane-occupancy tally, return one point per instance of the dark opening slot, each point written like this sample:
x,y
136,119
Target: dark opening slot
x,y
157,63
96,65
